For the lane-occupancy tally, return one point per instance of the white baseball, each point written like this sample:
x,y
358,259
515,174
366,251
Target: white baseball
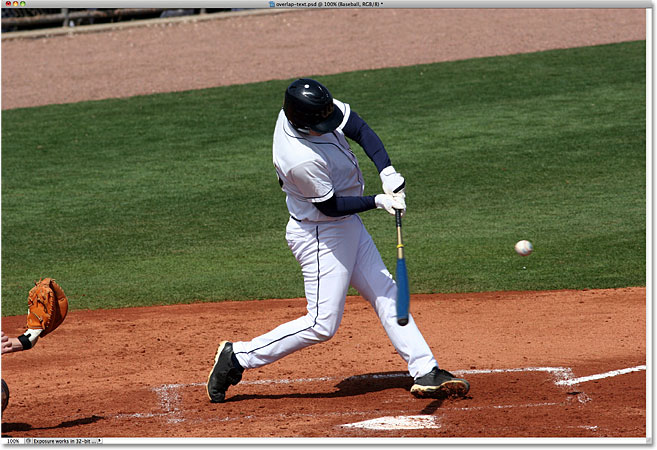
x,y
524,248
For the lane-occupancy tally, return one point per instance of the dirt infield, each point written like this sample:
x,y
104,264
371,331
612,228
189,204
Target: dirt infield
x,y
245,49
541,364
142,371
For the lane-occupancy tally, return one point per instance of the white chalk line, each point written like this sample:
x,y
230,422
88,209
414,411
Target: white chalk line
x,y
612,373
169,397
560,372
342,414
278,416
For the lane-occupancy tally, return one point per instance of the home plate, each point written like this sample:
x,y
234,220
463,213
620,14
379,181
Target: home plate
x,y
397,423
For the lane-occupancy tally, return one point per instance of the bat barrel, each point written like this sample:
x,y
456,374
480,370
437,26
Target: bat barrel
x,y
403,295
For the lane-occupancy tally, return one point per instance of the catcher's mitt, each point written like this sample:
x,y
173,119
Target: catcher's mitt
x,y
47,306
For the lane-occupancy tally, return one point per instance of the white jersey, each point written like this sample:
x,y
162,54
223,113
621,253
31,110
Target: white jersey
x,y
314,168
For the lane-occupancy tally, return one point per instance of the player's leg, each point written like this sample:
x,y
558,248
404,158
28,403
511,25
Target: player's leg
x,y
5,395
373,281
326,254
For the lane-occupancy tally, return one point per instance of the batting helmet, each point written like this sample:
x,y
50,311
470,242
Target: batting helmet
x,y
309,106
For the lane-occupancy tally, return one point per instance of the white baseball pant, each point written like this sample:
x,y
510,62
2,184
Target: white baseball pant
x,y
334,255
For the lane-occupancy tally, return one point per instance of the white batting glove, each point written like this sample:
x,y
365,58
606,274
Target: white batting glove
x,y
393,182
391,202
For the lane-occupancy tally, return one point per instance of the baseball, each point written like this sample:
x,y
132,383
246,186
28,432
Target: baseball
x,y
524,248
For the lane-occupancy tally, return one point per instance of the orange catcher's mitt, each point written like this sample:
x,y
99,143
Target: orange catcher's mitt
x,y
47,306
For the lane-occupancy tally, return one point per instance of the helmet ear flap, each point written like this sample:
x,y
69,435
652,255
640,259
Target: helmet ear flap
x,y
292,116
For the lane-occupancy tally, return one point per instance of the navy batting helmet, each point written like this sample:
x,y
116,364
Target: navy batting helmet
x,y
309,106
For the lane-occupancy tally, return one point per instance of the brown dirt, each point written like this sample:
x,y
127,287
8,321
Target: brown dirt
x,y
244,49
140,372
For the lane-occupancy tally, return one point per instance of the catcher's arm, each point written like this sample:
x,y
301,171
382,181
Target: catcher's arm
x,y
23,342
27,340
47,309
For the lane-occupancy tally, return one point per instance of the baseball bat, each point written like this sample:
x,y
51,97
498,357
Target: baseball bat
x,y
403,296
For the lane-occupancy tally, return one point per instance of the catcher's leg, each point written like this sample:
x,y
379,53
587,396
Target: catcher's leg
x,y
5,395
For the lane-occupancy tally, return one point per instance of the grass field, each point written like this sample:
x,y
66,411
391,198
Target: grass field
x,y
173,198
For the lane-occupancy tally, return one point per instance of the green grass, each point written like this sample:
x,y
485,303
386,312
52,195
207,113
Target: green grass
x,y
173,198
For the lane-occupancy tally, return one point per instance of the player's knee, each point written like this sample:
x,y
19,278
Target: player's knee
x,y
325,330
324,334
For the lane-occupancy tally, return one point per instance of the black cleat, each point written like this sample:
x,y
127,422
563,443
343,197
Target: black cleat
x,y
440,384
226,371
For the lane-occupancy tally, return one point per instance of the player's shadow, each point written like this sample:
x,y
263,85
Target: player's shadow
x,y
349,387
13,427
432,407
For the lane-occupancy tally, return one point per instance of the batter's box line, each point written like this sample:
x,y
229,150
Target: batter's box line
x,y
560,373
169,396
599,376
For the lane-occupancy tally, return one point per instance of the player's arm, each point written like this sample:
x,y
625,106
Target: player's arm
x,y
344,206
17,344
313,183
358,130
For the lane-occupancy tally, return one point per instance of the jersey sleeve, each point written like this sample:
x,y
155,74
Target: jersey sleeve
x,y
312,181
346,111
343,206
357,129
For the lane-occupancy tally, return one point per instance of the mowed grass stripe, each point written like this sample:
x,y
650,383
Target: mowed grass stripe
x,y
172,198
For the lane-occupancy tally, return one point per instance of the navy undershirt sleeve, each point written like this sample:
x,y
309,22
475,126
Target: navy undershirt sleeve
x,y
344,206
358,130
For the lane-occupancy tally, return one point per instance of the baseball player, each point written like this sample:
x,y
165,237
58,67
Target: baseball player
x,y
25,341
324,188
47,309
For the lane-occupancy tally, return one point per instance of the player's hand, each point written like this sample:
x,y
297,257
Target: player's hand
x,y
391,202
6,344
393,182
